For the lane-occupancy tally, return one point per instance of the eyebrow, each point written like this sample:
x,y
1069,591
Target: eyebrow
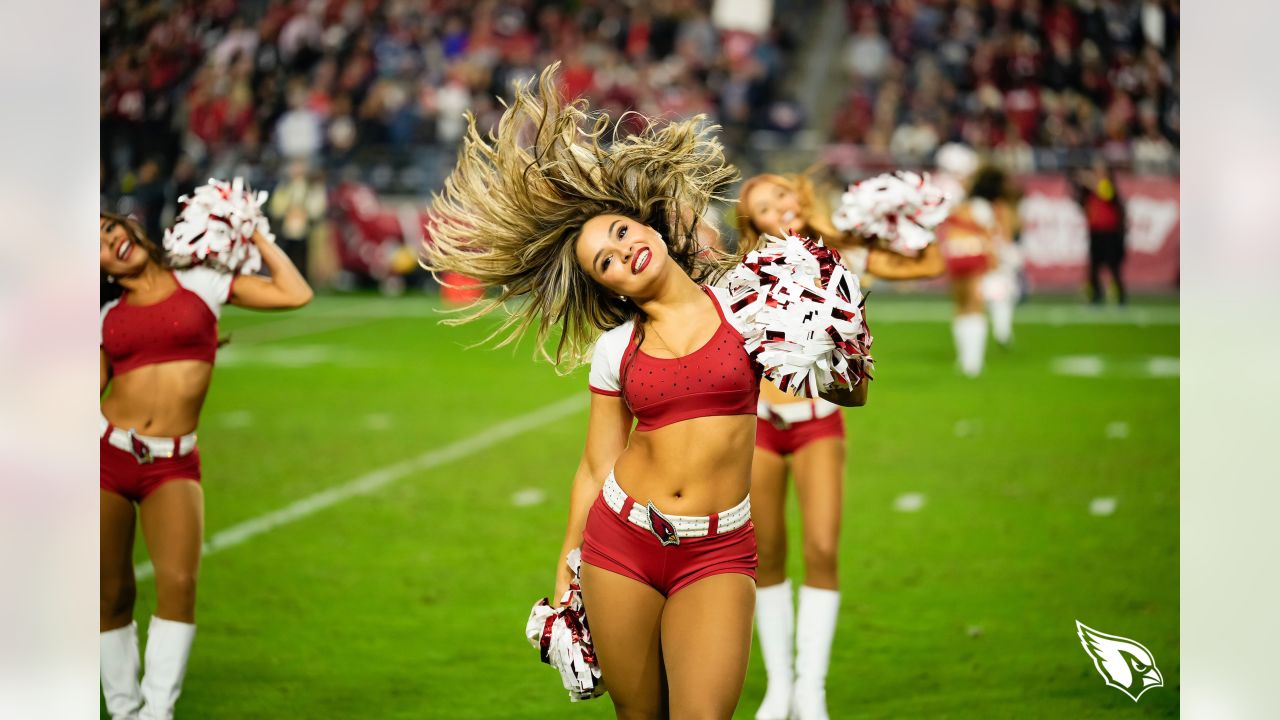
x,y
596,260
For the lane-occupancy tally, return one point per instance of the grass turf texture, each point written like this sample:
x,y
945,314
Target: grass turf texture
x,y
410,602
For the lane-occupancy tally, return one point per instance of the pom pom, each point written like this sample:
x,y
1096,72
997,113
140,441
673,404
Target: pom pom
x,y
899,211
563,639
802,311
215,228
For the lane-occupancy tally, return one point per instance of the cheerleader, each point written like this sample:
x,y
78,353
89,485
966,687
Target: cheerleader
x,y
811,434
594,238
1000,286
982,262
157,346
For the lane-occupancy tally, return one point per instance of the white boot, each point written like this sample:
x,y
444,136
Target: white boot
x,y
775,624
118,662
168,647
815,630
970,333
1001,320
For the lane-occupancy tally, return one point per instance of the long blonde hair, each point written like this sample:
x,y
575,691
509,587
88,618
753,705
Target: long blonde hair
x,y
813,204
513,208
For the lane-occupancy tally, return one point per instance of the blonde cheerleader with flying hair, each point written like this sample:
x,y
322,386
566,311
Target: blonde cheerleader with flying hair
x,y
597,237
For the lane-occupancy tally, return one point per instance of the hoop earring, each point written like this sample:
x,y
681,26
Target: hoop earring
x,y
623,298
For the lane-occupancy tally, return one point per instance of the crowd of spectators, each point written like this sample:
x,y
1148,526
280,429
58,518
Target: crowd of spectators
x,y
1041,84
194,88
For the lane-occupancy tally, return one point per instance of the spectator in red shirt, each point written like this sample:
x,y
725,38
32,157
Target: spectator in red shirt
x,y
1099,196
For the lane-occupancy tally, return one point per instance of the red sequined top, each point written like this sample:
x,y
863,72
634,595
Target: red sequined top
x,y
183,326
718,378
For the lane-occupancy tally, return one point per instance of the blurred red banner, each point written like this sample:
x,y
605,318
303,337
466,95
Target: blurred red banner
x,y
1055,241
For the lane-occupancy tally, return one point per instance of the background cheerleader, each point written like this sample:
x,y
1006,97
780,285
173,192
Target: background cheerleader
x,y
158,342
601,239
811,433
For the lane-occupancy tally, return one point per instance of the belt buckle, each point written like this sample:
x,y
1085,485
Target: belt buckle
x,y
661,527
778,421
140,450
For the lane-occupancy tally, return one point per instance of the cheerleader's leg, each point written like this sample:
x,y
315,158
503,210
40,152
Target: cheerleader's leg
x,y
625,617
706,641
775,611
119,662
173,524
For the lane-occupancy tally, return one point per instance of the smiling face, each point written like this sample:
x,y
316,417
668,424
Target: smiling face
x,y
119,254
773,208
621,254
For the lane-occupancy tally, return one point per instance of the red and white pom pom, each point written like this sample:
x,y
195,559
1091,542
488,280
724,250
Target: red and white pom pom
x,y
898,211
563,639
215,228
802,311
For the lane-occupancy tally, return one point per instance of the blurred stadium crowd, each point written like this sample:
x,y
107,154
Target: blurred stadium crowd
x,y
1042,83
338,104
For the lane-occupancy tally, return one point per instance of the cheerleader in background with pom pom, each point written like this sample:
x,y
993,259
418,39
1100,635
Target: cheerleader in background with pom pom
x,y
982,261
598,238
811,433
158,341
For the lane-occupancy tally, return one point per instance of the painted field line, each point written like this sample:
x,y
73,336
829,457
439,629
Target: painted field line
x,y
377,479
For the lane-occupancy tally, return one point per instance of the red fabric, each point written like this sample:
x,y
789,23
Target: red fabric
x,y
612,543
180,327
962,242
1101,215
718,378
120,473
785,442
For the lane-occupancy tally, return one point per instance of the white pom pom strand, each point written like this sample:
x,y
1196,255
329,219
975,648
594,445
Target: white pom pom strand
x,y
803,314
899,211
215,228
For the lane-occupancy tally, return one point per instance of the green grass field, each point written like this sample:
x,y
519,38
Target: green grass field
x,y
406,597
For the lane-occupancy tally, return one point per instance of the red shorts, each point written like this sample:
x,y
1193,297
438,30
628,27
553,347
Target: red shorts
x,y
966,265
611,543
797,435
122,474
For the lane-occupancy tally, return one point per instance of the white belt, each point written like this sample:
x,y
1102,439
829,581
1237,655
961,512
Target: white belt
x,y
680,525
146,448
783,415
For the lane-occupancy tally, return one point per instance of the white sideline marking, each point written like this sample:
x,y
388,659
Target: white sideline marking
x,y
236,419
909,502
1078,365
1117,430
1102,506
527,497
1163,366
376,480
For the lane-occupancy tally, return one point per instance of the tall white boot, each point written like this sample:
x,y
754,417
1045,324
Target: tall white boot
x,y
1001,319
815,630
970,333
168,647
775,624
119,665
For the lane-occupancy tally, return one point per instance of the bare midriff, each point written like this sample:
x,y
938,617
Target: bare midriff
x,y
693,467
772,395
161,400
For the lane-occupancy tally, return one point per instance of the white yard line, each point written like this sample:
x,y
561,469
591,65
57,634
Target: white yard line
x,y
376,480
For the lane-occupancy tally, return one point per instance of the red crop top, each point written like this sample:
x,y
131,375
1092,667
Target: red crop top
x,y
183,326
718,378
